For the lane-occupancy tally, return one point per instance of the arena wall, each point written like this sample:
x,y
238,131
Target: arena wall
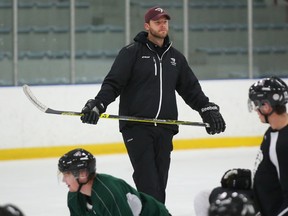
x,y
26,132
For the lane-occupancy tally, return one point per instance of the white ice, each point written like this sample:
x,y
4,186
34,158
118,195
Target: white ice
x,y
34,187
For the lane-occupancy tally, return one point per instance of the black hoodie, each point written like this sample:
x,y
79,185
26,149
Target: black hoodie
x,y
146,82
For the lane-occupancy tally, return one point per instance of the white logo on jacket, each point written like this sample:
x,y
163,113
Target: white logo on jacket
x,y
173,61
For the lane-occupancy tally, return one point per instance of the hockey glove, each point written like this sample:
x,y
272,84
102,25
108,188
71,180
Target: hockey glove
x,y
210,114
237,179
91,111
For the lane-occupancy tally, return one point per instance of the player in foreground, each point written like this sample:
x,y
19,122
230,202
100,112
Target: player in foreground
x,y
146,75
92,193
269,187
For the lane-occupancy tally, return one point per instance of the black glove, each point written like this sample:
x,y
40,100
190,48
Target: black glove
x,y
210,114
237,179
91,111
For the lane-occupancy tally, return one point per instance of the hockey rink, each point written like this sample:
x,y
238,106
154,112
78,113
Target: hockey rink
x,y
34,187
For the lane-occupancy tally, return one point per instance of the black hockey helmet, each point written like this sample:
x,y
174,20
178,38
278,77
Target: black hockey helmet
x,y
234,204
271,90
76,160
10,210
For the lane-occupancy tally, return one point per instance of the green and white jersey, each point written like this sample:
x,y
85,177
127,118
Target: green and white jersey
x,y
109,198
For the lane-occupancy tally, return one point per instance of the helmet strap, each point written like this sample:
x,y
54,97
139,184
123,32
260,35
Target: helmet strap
x,y
266,118
266,115
80,186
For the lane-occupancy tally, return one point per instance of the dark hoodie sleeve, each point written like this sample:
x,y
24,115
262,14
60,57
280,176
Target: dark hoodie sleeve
x,y
188,87
118,75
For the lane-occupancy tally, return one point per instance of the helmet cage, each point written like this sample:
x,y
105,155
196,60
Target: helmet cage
x,y
256,104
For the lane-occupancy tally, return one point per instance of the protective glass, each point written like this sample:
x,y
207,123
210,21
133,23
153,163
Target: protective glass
x,y
59,176
64,175
253,105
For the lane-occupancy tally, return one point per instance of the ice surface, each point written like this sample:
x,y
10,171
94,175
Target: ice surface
x,y
34,187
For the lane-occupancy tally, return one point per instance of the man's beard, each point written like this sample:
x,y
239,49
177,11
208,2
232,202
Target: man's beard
x,y
158,35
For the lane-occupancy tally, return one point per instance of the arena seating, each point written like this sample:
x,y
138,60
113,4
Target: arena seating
x,y
217,34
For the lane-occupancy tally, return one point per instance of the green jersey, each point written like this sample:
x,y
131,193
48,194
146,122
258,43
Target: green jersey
x,y
109,198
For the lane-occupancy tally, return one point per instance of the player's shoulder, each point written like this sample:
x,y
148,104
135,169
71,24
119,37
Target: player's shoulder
x,y
285,129
105,177
72,196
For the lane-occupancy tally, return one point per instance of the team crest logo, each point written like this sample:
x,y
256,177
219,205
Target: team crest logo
x,y
173,61
159,9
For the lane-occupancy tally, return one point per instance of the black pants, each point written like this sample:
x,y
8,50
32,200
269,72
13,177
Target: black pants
x,y
149,149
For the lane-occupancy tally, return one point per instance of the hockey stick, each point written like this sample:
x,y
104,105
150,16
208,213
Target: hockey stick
x,y
48,110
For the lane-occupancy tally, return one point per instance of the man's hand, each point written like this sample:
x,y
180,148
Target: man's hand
x,y
210,114
91,111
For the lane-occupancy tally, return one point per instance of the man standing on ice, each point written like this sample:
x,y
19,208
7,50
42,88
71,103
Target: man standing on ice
x,y
146,75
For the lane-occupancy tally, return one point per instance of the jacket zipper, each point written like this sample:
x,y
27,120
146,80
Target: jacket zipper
x,y
161,82
161,88
160,76
155,66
